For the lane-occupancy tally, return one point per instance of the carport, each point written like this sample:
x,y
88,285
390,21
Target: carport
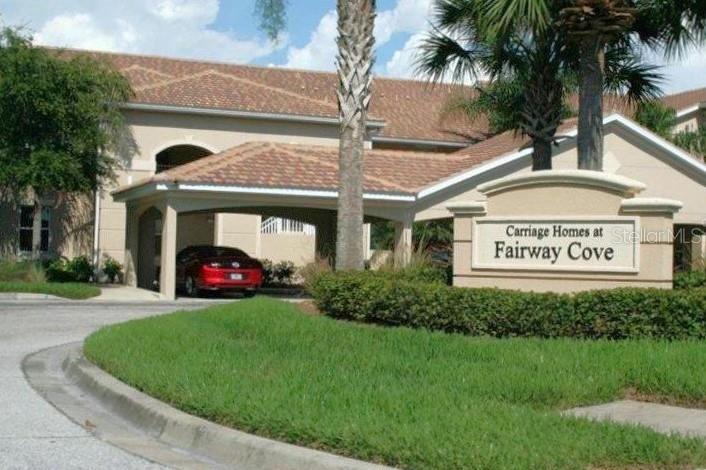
x,y
281,180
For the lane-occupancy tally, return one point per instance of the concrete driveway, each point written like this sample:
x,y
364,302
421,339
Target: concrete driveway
x,y
34,435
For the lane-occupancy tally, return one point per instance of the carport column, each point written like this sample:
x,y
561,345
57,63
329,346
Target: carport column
x,y
167,274
131,245
403,241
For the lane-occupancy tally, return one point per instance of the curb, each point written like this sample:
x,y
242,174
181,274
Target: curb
x,y
29,296
222,445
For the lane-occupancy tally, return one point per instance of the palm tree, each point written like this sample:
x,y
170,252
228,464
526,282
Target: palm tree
x,y
593,24
596,25
531,69
354,64
462,47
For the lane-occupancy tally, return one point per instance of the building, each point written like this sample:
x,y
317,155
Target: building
x,y
247,156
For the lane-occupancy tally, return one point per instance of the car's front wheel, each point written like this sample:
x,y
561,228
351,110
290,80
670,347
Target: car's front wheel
x,y
190,287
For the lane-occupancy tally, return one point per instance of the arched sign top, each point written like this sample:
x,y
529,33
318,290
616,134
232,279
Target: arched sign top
x,y
587,178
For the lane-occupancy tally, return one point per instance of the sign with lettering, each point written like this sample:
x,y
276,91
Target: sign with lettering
x,y
609,244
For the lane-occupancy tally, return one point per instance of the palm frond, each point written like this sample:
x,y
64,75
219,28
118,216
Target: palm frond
x,y
442,56
627,75
502,15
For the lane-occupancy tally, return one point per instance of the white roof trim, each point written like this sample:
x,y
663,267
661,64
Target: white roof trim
x,y
429,142
288,192
479,170
671,149
680,154
161,108
689,110
123,194
595,179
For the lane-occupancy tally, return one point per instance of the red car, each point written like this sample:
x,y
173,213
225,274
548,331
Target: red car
x,y
216,268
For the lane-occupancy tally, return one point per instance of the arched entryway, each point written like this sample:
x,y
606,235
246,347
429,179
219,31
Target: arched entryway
x,y
149,248
177,155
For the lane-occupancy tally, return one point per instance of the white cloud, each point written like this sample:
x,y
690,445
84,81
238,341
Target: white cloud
x,y
80,31
178,28
408,16
189,10
401,64
320,52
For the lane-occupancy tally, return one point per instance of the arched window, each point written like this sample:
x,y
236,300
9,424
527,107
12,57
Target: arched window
x,y
179,155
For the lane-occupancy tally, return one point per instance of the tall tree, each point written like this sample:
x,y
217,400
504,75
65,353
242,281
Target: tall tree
x,y
597,25
462,47
356,20
594,24
60,122
354,64
530,68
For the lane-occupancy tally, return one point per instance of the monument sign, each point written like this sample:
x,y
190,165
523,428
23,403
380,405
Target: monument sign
x,y
563,231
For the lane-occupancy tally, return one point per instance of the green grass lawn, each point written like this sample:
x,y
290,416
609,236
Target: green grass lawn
x,y
403,397
69,290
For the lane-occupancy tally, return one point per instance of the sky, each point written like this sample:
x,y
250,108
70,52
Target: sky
x,y
227,30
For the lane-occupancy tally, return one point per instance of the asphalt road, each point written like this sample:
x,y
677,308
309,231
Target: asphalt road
x,y
33,434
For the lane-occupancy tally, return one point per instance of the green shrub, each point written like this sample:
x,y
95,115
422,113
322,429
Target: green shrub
x,y
690,279
420,270
284,272
276,274
612,314
78,269
112,268
268,275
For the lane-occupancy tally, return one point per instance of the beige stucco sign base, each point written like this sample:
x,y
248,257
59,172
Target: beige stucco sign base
x,y
563,231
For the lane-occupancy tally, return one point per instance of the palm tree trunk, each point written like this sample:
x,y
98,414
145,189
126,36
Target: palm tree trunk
x,y
542,156
356,19
590,127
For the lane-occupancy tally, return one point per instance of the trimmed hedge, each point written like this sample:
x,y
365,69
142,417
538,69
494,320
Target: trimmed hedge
x,y
612,314
690,279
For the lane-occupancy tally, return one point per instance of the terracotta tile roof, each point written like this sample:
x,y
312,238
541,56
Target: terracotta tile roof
x,y
411,109
506,143
685,99
275,165
298,166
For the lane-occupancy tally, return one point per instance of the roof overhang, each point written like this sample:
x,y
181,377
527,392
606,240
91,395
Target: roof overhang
x,y
138,191
152,188
690,110
680,156
163,108
421,142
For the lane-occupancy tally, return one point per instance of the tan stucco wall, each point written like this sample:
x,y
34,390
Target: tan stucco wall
x,y
153,132
112,217
624,155
239,231
298,248
195,229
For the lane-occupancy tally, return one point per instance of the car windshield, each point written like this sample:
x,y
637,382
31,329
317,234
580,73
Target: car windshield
x,y
221,251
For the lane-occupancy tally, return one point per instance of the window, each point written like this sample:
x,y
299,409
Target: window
x,y
26,228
